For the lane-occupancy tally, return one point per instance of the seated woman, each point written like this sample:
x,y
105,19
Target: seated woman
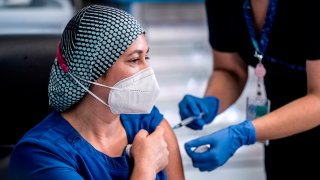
x,y
102,91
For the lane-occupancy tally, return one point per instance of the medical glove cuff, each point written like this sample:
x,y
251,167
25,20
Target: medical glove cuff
x,y
213,107
245,132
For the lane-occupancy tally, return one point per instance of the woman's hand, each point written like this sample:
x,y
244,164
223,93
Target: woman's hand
x,y
150,153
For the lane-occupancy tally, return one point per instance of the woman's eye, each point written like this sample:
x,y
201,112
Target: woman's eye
x,y
134,61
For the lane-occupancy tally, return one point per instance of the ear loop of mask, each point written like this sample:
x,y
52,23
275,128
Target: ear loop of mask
x,y
98,84
64,67
89,90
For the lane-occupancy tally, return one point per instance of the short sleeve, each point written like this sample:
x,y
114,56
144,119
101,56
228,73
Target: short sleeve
x,y
312,29
133,123
224,24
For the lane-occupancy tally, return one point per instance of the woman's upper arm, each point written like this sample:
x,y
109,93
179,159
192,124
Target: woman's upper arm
x,y
230,62
313,77
174,169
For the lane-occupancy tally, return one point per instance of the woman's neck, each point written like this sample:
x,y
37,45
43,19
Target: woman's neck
x,y
259,10
101,128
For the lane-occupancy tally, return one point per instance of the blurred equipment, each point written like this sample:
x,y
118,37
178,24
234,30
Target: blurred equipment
x,y
34,16
25,62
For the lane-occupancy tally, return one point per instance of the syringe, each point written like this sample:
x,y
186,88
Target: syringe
x,y
187,121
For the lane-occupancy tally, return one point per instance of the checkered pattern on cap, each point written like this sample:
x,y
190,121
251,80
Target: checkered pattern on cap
x,y
91,43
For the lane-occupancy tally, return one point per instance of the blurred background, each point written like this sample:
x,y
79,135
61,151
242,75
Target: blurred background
x,y
180,55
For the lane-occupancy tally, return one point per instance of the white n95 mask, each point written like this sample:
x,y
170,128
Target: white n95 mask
x,y
136,94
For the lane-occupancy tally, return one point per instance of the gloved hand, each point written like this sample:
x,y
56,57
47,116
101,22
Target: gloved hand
x,y
193,106
223,144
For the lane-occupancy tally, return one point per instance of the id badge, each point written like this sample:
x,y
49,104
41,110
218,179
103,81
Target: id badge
x,y
257,107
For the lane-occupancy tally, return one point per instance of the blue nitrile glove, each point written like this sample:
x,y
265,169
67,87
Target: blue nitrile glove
x,y
193,106
223,144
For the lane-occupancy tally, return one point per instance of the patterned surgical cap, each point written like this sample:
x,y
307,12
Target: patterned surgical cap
x,y
91,43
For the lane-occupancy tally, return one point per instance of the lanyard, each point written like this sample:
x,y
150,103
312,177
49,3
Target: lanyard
x,y
261,104
261,45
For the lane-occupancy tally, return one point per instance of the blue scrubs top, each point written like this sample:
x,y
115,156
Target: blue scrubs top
x,y
55,150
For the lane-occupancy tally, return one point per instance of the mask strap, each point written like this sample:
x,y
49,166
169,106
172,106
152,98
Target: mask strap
x,y
92,94
62,63
91,82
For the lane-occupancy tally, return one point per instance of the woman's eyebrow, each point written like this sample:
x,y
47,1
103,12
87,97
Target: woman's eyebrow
x,y
138,51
